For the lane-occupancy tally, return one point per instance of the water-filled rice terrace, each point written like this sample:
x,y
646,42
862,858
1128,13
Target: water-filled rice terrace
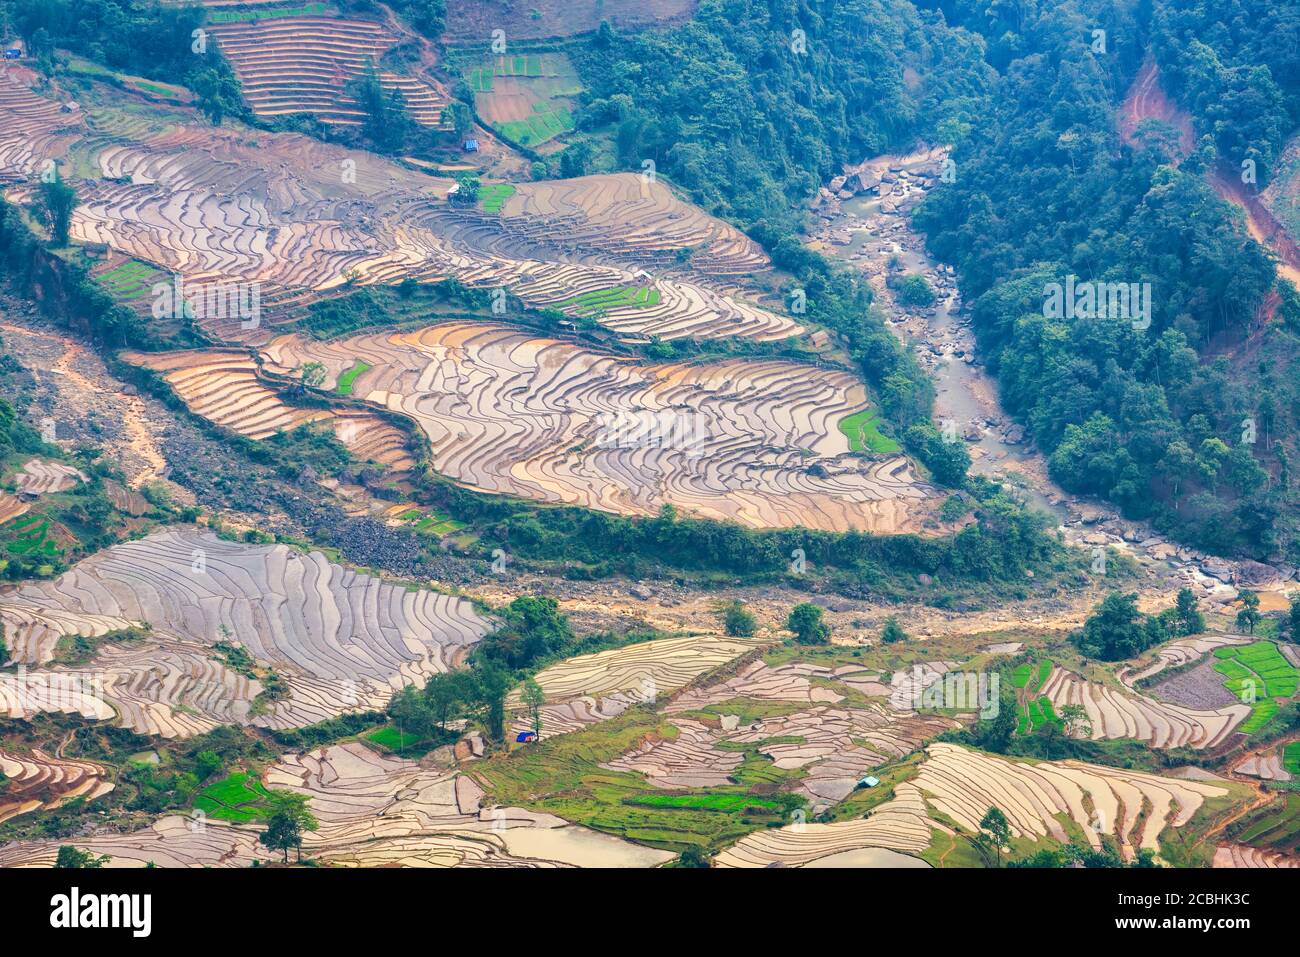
x,y
339,640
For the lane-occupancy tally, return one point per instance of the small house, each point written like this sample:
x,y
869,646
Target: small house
x,y
14,53
470,146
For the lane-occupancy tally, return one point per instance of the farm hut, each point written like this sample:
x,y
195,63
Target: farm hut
x,y
470,146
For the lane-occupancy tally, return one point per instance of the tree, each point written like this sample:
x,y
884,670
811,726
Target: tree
x,y
892,631
467,188
914,290
1293,630
312,373
290,817
444,694
459,116
69,858
216,89
532,628
56,203
995,828
281,834
533,698
492,684
994,733
409,710
806,622
693,857
1076,720
1187,614
1117,630
1248,617
738,621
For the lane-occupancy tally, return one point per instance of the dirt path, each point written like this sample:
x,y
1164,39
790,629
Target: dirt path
x,y
1147,100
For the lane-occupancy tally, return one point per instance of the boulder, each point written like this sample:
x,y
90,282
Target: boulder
x,y
1256,573
1218,568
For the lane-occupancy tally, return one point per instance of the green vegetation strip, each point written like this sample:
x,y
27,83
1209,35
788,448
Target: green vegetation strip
x,y
247,16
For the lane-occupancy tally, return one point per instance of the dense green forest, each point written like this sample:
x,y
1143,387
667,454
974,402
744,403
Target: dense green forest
x,y
1189,421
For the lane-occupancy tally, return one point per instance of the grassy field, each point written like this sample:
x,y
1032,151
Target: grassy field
x,y
863,432
1275,826
1291,758
29,536
391,738
1027,678
545,124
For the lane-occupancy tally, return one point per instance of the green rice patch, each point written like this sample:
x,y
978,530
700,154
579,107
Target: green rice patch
x,y
863,432
1291,758
600,301
492,198
240,797
349,377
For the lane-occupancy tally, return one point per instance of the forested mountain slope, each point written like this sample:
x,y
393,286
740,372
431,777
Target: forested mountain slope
x,y
1188,421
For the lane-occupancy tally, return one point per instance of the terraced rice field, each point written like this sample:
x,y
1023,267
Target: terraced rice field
x,y
1273,829
376,810
168,687
32,534
130,280
1257,674
1177,654
961,784
1118,714
43,477
11,507
223,386
527,98
473,22
901,824
1240,855
833,747
34,129
510,413
1270,765
234,211
340,640
648,669
171,841
40,781
303,64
